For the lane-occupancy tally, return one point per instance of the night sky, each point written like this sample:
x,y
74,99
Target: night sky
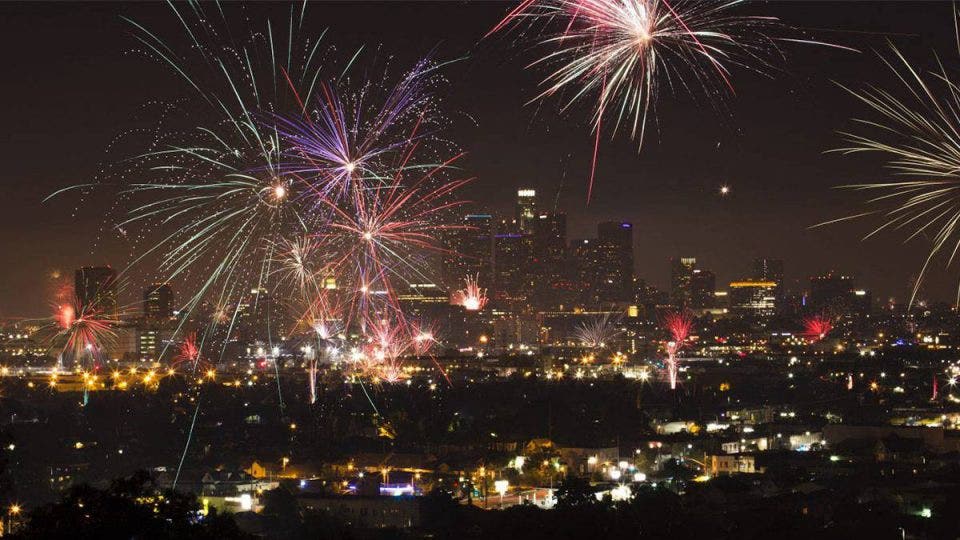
x,y
73,82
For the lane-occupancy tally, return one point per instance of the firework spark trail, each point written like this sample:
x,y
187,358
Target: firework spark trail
x,y
186,446
83,329
919,136
597,332
620,53
289,156
679,325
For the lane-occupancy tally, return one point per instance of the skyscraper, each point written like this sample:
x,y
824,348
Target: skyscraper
x,y
96,286
615,257
703,286
526,212
681,277
158,302
550,238
552,286
587,262
510,263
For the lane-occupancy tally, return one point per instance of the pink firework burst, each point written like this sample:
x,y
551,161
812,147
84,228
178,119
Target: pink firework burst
x,y
679,325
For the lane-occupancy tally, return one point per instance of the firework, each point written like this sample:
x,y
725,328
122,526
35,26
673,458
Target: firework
x,y
324,314
621,54
472,297
597,332
213,204
81,330
294,262
347,142
679,325
816,328
919,136
424,339
316,188
189,354
286,175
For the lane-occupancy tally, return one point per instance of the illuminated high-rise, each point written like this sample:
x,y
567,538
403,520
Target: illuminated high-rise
x,y
550,238
526,212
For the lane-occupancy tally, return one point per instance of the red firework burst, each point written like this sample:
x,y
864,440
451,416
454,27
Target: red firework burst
x,y
816,327
188,353
678,324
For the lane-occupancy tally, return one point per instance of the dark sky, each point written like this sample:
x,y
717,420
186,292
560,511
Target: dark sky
x,y
72,83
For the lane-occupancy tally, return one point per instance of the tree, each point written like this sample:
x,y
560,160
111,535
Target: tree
x,y
130,508
574,492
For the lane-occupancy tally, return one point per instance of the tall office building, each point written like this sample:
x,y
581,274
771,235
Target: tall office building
x,y
681,278
511,256
550,239
158,302
703,288
615,257
552,285
96,286
586,258
526,212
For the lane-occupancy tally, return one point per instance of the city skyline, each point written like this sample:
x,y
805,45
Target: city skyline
x,y
674,202
435,270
